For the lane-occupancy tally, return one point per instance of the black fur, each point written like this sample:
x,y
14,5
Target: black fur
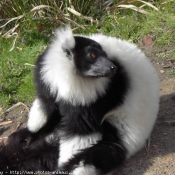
x,y
26,151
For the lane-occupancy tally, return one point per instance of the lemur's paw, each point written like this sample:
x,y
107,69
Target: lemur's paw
x,y
37,118
85,170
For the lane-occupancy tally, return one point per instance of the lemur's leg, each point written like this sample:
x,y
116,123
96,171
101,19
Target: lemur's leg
x,y
39,114
100,158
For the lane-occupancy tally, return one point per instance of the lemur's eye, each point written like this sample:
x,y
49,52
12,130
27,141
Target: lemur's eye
x,y
93,55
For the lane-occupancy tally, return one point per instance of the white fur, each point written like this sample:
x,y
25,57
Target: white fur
x,y
71,146
60,76
136,117
37,118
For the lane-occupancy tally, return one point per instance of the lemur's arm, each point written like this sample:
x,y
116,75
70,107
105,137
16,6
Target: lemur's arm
x,y
25,151
102,157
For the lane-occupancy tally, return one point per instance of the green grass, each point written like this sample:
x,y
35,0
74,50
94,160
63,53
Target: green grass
x,y
16,79
169,54
170,72
133,26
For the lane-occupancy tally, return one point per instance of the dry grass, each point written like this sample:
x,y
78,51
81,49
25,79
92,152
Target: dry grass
x,y
17,11
13,14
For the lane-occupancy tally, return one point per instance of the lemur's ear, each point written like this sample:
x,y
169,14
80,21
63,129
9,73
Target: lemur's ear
x,y
65,38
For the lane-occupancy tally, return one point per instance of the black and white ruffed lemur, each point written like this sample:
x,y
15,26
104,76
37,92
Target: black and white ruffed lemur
x,y
97,101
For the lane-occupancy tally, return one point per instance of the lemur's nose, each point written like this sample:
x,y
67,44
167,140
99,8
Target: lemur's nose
x,y
113,68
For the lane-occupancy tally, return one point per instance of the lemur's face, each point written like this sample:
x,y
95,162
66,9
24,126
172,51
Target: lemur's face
x,y
91,60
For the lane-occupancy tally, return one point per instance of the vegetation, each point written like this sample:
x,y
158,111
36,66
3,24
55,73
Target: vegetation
x,y
27,27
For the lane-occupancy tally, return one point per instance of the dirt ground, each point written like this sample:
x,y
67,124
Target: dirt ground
x,y
158,156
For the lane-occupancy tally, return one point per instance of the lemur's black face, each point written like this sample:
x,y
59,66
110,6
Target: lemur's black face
x,y
91,60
